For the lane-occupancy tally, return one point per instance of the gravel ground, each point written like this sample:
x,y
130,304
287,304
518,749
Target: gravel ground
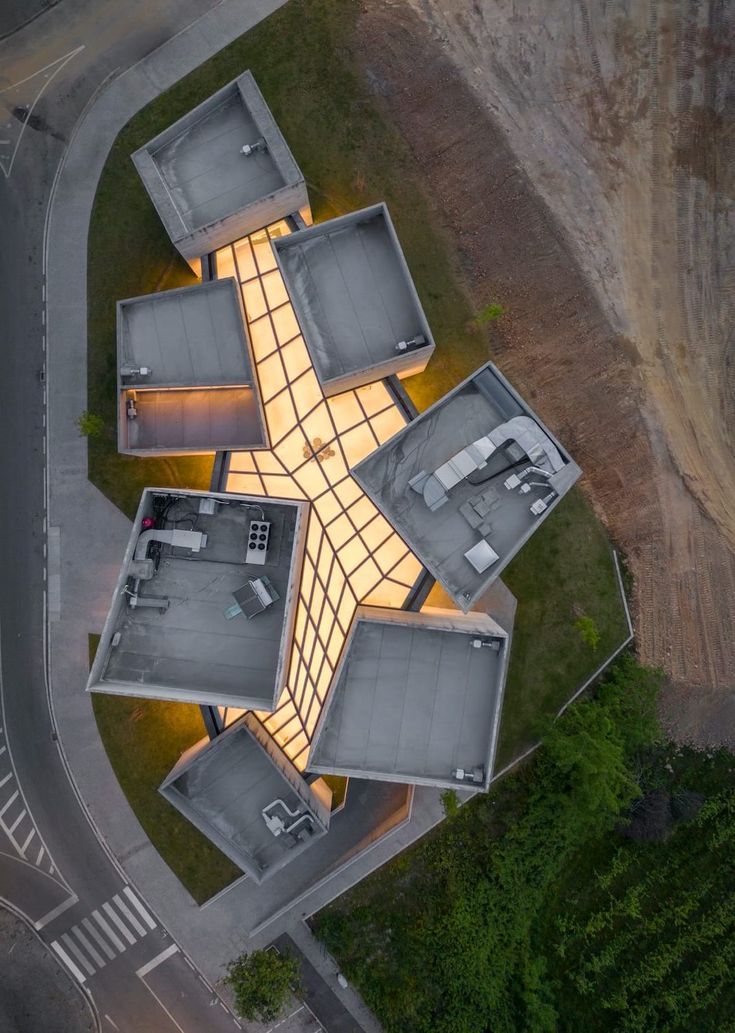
x,y
36,994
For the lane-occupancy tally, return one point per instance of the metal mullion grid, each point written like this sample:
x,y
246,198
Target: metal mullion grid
x,y
274,727
315,623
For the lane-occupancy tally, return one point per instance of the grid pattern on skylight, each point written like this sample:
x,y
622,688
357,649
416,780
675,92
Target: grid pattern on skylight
x,y
352,553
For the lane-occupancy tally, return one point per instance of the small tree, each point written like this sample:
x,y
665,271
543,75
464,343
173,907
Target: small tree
x,y
261,982
90,424
588,632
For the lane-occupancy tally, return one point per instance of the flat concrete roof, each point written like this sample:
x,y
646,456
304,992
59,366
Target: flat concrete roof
x,y
475,474
354,298
199,392
205,189
416,697
222,786
173,631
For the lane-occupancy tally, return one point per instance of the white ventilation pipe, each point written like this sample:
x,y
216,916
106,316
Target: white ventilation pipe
x,y
193,540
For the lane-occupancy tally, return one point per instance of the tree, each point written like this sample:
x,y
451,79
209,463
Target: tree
x,y
261,982
90,424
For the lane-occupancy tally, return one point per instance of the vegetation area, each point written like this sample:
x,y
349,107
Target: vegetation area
x,y
144,739
589,891
262,982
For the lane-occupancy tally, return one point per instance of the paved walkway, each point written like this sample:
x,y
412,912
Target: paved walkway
x,y
87,536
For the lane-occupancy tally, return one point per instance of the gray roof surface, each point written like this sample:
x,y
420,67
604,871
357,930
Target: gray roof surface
x,y
414,699
192,652
206,175
477,507
352,291
201,394
188,337
222,787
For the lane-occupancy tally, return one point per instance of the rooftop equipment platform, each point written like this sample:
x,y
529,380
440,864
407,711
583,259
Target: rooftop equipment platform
x,y
185,373
244,795
469,481
355,300
180,626
417,698
221,171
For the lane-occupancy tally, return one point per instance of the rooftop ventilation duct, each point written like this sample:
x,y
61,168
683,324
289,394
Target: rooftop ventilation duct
x,y
194,540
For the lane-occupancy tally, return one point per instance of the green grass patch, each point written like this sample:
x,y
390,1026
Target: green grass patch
x,y
144,739
566,571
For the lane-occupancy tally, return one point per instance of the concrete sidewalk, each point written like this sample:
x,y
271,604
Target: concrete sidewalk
x,y
87,537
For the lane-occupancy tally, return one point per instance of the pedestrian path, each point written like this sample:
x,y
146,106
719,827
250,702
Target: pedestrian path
x,y
15,818
104,934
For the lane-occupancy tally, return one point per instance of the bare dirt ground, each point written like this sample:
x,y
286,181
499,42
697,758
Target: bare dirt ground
x,y
36,994
582,155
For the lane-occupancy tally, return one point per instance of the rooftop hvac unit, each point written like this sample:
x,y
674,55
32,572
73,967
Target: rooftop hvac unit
x,y
474,775
413,342
259,534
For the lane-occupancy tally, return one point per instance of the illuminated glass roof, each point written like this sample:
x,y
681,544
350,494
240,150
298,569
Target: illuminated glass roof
x,y
352,554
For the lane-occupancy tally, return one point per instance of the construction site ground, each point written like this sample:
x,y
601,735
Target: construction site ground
x,y
582,156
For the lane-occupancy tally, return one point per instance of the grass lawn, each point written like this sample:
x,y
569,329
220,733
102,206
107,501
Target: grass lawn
x,y
144,739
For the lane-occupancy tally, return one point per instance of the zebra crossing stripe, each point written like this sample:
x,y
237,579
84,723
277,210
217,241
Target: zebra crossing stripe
x,y
107,907
99,938
92,951
129,915
139,907
68,942
74,969
106,927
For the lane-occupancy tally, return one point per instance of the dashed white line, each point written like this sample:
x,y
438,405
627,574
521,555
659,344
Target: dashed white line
x,y
139,908
74,969
155,962
129,915
10,802
112,913
107,928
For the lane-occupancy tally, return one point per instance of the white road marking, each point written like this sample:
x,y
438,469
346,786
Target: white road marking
x,y
76,972
107,906
10,802
106,927
17,822
6,779
139,907
58,910
94,932
29,837
113,1024
77,953
2,750
41,852
90,949
129,915
155,962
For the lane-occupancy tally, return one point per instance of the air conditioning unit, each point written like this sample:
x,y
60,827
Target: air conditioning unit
x,y
259,534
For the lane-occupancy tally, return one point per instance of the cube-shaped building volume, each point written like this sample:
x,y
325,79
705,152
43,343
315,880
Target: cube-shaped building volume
x,y
221,171
355,300
185,373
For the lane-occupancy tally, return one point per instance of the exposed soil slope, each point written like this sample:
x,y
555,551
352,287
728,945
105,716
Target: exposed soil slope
x,y
582,156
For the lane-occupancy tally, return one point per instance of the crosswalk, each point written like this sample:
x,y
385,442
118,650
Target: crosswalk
x,y
104,934
15,818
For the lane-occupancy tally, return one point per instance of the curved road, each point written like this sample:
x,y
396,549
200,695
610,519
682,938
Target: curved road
x,y
52,866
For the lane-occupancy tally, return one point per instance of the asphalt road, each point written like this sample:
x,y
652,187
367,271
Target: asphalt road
x,y
49,70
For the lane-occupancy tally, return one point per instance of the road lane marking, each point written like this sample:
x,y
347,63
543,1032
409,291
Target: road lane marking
x,y
2,750
129,915
92,951
77,954
29,837
113,1024
41,852
6,779
93,931
17,822
155,962
107,906
9,803
58,910
139,907
76,972
106,927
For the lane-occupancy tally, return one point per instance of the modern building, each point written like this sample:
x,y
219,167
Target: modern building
x,y
243,794
221,171
290,601
355,300
417,698
469,481
204,606
185,373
